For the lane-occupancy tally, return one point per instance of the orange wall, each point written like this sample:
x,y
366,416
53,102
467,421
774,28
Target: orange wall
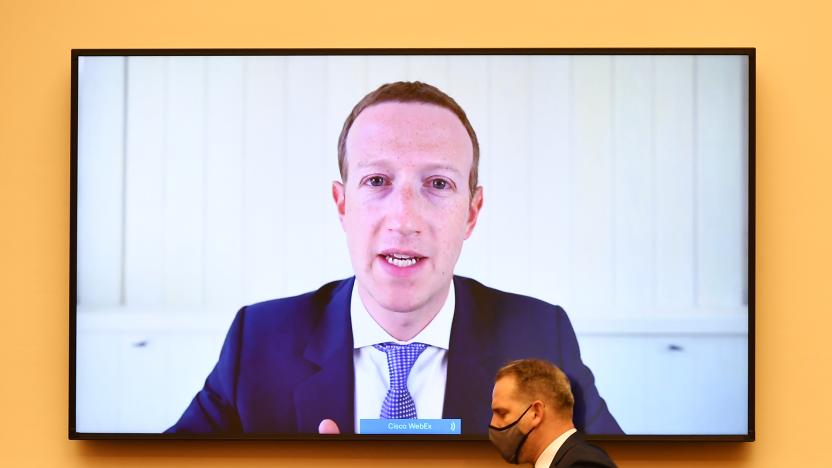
x,y
793,204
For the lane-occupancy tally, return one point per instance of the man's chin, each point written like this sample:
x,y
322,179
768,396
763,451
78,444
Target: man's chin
x,y
397,294
401,304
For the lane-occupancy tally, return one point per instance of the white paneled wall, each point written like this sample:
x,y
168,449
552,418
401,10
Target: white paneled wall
x,y
101,172
673,104
720,211
612,184
633,178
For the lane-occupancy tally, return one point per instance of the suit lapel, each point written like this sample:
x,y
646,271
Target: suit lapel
x,y
470,362
329,393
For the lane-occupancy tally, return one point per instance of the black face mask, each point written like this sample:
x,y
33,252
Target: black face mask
x,y
509,439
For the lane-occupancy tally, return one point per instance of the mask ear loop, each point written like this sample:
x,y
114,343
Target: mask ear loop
x,y
520,446
509,426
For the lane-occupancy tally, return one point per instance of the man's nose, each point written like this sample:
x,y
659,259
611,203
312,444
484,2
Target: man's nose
x,y
405,211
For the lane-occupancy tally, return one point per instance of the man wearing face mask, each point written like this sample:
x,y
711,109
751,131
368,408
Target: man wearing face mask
x,y
532,418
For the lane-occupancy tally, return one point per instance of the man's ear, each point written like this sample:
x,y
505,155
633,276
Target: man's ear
x,y
339,197
537,412
474,211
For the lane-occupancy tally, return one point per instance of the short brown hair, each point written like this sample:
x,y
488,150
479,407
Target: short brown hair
x,y
541,380
409,91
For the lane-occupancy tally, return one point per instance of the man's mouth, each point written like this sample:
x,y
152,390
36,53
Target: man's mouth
x,y
401,260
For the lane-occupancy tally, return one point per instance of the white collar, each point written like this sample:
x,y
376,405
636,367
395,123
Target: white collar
x,y
545,458
367,332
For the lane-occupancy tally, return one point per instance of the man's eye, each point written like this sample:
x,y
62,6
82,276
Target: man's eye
x,y
375,181
440,184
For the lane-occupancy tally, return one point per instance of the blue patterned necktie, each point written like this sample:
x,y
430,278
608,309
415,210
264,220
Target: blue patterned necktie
x,y
399,404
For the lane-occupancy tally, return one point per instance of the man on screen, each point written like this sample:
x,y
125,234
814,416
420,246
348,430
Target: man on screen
x,y
403,338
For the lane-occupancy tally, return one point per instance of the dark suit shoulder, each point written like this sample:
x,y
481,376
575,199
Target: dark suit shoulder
x,y
513,325
503,302
261,382
576,452
282,322
307,306
501,327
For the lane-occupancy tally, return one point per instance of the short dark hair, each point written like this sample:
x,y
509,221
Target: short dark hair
x,y
541,380
409,91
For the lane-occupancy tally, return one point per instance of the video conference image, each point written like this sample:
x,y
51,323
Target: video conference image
x,y
352,245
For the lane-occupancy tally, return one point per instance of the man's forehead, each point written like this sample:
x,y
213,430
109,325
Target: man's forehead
x,y
409,112
419,126
504,388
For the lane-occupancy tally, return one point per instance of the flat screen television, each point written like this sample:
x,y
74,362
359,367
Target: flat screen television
x,y
237,249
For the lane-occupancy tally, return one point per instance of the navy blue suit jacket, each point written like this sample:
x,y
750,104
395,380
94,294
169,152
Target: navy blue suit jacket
x,y
576,452
287,364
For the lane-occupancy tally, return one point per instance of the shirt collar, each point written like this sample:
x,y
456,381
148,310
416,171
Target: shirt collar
x,y
366,332
545,458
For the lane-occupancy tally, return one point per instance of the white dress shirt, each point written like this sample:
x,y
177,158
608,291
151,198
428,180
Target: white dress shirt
x,y
427,378
545,458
